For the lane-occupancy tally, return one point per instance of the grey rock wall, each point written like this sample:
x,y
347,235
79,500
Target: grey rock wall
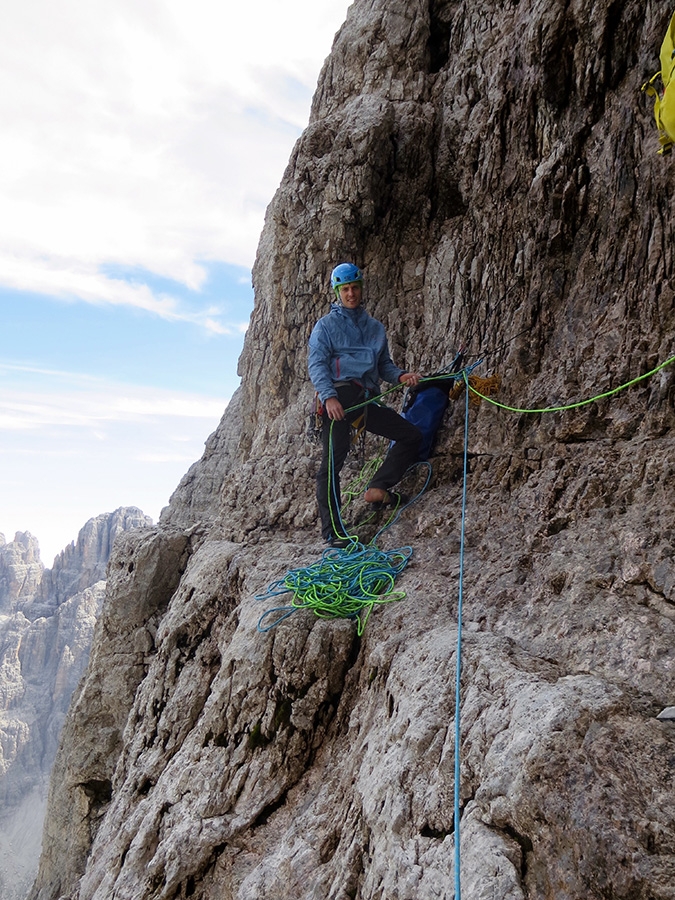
x,y
493,167
47,620
21,571
83,562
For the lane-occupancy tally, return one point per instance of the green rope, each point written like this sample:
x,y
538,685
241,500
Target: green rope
x,y
348,582
361,481
342,584
567,406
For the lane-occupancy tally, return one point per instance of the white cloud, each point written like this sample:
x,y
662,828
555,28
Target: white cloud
x,y
183,458
75,446
140,134
216,327
148,133
92,403
69,279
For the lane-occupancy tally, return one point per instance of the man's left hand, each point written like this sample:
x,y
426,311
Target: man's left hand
x,y
410,379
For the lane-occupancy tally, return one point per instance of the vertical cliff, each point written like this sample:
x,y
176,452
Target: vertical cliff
x,y
492,167
21,571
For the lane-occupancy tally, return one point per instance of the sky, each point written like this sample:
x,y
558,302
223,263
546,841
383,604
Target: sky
x,y
141,143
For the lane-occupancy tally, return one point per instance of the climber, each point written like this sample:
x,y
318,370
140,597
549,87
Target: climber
x,y
664,100
348,357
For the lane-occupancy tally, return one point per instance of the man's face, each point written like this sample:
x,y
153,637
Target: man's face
x,y
350,294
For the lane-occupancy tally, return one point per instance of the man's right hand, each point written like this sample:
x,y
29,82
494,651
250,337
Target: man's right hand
x,y
334,409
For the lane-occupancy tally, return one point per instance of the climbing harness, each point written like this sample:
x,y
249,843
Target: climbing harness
x,y
664,100
357,444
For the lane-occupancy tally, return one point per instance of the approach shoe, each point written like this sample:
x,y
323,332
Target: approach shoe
x,y
338,541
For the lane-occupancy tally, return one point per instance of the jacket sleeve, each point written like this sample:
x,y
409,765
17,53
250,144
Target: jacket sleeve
x,y
386,367
319,363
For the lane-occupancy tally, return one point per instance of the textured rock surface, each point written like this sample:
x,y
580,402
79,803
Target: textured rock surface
x,y
21,571
46,629
494,170
84,561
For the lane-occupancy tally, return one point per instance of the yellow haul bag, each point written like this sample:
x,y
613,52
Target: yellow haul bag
x,y
664,102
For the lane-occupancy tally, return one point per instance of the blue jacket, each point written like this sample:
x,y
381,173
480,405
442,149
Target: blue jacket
x,y
349,344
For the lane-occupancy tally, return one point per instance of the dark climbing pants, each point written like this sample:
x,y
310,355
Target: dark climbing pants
x,y
380,420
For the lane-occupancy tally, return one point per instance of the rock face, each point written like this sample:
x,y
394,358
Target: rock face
x,y
493,168
84,561
20,571
47,620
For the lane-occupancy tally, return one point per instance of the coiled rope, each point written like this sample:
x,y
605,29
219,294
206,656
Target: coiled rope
x,y
344,583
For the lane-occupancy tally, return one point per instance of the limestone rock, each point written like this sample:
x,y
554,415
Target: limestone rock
x,y
21,571
84,561
47,621
193,500
143,575
494,171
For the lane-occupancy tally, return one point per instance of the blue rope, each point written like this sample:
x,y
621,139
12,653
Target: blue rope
x,y
349,582
458,666
396,513
343,584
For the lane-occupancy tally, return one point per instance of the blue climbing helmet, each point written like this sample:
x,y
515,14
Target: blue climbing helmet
x,y
345,273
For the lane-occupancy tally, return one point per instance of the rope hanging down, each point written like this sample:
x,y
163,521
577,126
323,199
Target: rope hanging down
x,y
458,664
